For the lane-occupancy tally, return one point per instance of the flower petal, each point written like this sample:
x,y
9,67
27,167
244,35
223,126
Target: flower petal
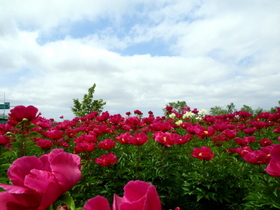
x,y
44,183
17,189
66,168
21,167
97,203
135,190
273,168
10,201
30,112
275,152
39,181
117,202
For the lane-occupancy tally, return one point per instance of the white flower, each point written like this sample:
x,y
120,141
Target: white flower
x,y
198,118
188,115
179,122
172,115
202,112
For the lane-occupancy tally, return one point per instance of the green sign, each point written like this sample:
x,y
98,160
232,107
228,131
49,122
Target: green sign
x,y
5,106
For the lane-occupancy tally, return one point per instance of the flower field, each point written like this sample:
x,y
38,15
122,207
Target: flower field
x,y
189,160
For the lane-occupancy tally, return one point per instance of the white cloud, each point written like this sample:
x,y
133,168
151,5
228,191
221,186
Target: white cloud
x,y
219,53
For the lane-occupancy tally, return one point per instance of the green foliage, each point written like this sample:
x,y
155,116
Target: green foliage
x,y
217,110
88,105
247,109
231,108
225,182
176,106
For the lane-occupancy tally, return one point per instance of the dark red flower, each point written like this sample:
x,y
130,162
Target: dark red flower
x,y
241,142
4,139
44,143
139,139
21,112
138,112
203,153
107,159
265,142
106,144
124,138
195,111
103,117
256,157
273,168
249,131
164,138
84,147
242,151
229,133
54,134
183,139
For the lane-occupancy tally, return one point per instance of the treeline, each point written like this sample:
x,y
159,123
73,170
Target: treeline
x,y
219,110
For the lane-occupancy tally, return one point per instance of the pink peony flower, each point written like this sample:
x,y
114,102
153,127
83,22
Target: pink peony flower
x,y
38,182
138,195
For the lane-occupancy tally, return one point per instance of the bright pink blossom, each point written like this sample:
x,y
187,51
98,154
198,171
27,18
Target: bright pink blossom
x,y
38,182
138,195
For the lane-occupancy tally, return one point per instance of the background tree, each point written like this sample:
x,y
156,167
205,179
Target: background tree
x,y
247,109
176,106
88,105
217,110
231,108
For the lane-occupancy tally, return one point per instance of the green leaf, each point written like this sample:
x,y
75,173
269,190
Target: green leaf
x,y
67,200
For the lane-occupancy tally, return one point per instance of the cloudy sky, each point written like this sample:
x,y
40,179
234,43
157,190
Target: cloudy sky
x,y
141,54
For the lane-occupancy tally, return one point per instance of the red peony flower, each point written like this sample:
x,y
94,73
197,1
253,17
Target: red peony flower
x,y
164,138
107,159
44,143
107,144
21,112
203,153
249,131
265,142
124,138
139,139
84,147
273,168
256,157
138,112
230,134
